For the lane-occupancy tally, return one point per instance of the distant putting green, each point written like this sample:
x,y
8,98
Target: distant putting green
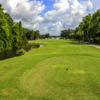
x,y
61,70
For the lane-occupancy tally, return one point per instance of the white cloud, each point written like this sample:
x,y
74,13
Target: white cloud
x,y
89,3
52,28
60,7
76,12
55,28
64,14
68,12
24,10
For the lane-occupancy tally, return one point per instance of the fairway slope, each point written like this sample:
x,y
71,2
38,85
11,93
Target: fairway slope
x,y
41,73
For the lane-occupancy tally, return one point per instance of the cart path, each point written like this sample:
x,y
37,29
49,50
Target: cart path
x,y
98,47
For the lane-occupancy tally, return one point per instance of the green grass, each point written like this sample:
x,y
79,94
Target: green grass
x,y
41,73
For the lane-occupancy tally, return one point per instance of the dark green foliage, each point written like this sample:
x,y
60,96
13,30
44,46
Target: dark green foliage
x,y
30,34
19,39
4,32
11,35
66,33
36,35
47,35
90,28
20,52
30,46
9,19
87,31
42,36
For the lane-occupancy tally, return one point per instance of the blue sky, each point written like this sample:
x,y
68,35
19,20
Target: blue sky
x,y
48,5
50,16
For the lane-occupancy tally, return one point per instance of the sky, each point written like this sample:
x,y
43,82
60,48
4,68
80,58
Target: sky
x,y
50,16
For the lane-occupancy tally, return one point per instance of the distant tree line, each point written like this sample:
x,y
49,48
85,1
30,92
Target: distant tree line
x,y
67,34
31,34
87,31
47,35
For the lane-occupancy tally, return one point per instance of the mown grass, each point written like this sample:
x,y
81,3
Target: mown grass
x,y
41,74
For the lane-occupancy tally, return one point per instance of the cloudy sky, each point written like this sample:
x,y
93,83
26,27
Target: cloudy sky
x,y
50,16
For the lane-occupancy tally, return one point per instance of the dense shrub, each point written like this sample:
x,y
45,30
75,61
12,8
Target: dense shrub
x,y
30,46
20,52
96,40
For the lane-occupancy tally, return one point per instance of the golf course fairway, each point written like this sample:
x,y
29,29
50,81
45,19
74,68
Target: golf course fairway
x,y
41,73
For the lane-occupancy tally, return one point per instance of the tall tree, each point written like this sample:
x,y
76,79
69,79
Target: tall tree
x,y
37,34
19,39
86,27
64,34
4,31
96,23
47,35
11,34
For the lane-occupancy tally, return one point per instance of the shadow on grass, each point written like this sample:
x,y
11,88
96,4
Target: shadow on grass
x,y
76,43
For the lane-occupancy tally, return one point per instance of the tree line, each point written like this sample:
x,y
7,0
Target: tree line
x,y
67,34
31,34
44,36
13,35
87,31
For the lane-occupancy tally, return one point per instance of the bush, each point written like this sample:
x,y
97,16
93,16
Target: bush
x,y
30,46
20,52
96,40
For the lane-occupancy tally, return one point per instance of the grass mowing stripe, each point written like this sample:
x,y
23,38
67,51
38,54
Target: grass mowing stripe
x,y
41,74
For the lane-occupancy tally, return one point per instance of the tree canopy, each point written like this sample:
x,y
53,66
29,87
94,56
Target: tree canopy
x,y
87,31
31,34
11,34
